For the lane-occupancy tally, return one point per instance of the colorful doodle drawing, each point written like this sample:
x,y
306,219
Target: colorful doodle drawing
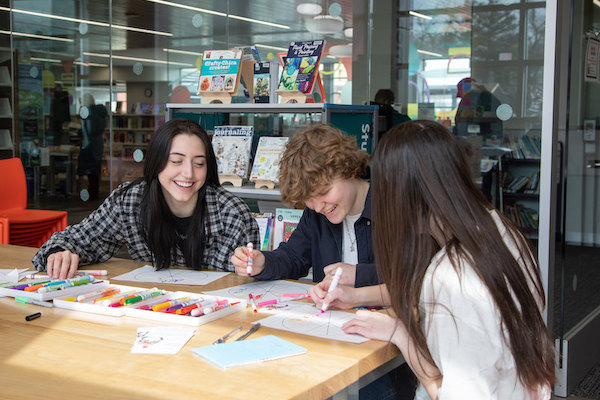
x,y
173,276
269,290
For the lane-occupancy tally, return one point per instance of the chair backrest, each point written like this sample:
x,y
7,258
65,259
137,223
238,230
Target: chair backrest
x,y
13,186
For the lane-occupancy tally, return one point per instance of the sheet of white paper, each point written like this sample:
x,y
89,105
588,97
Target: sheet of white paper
x,y
11,275
170,275
308,320
262,290
161,339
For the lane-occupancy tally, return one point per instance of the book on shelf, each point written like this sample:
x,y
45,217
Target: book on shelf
x,y
220,71
286,221
232,146
262,82
301,65
266,160
525,147
249,53
265,228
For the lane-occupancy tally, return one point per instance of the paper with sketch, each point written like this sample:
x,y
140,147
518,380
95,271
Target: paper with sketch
x,y
161,339
263,290
12,275
147,273
308,320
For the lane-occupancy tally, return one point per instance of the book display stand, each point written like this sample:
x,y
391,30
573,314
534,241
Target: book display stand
x,y
291,96
235,180
260,183
216,98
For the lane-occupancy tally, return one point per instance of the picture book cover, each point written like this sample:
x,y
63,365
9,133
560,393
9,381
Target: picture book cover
x,y
242,352
266,160
262,82
301,65
232,145
220,71
286,221
265,228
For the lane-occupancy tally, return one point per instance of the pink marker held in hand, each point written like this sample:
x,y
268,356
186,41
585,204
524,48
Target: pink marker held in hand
x,y
250,247
334,283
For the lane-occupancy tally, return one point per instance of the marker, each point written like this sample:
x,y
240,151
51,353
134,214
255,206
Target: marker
x,y
167,304
98,293
108,300
32,283
249,246
142,296
252,303
301,295
33,316
277,301
86,278
197,312
27,300
37,276
62,286
334,283
197,305
95,272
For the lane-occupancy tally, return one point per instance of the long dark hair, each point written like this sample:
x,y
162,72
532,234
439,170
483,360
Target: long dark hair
x,y
419,176
156,222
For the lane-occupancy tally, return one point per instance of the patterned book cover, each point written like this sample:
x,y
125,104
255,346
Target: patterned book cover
x,y
266,160
301,65
232,145
220,71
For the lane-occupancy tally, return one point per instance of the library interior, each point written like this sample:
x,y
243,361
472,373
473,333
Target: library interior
x,y
84,86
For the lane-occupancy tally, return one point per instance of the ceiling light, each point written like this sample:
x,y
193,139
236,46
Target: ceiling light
x,y
341,50
429,53
202,10
151,60
50,60
256,21
31,35
416,14
89,64
266,46
309,9
191,53
325,24
85,21
206,11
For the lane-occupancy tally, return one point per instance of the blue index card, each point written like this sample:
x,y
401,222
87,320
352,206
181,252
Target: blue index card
x,y
249,351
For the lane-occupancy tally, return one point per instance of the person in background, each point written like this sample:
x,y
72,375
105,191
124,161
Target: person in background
x,y
462,280
60,115
93,123
176,214
384,98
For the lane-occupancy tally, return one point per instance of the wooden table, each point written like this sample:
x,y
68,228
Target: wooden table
x,y
75,355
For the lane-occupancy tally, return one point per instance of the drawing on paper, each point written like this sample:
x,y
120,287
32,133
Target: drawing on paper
x,y
173,276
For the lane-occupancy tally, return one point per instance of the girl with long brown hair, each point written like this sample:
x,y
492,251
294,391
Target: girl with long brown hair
x,y
461,279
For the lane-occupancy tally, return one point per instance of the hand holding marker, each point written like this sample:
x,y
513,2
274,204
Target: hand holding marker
x,y
250,247
334,283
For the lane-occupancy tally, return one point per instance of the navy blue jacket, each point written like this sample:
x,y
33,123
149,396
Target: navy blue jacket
x,y
317,242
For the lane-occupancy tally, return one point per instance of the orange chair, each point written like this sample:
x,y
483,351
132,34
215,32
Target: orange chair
x,y
19,225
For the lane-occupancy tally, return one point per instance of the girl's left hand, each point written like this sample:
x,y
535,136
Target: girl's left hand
x,y
373,325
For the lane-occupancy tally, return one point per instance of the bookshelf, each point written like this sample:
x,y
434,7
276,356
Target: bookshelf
x,y
6,105
130,133
520,192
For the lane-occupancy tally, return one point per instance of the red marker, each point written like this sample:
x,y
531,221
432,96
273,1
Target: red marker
x,y
252,303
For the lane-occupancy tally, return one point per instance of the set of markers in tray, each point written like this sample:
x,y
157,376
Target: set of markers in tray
x,y
41,289
158,304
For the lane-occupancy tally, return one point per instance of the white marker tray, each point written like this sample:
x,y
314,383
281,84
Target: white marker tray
x,y
64,302
68,292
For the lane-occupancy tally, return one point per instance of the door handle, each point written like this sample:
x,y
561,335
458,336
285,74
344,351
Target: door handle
x,y
593,164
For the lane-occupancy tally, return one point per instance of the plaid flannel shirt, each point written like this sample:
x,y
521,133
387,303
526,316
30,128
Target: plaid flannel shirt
x,y
229,224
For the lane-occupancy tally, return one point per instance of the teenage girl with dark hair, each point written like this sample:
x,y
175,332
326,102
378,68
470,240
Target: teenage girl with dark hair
x,y
461,279
177,214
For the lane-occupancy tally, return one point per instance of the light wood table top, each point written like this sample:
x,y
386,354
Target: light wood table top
x,y
76,355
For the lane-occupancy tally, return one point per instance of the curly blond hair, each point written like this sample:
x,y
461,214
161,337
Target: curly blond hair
x,y
313,158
